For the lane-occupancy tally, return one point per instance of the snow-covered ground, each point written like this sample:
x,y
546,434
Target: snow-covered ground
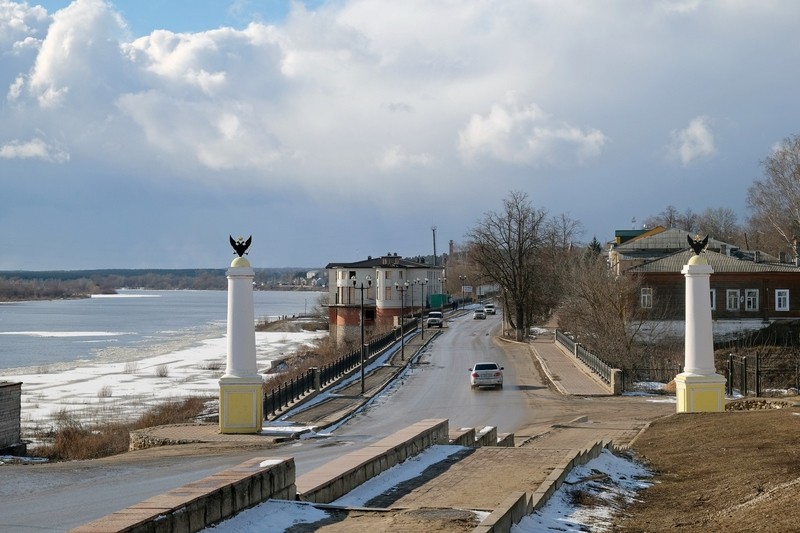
x,y
108,391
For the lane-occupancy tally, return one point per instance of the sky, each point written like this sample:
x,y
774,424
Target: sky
x,y
142,134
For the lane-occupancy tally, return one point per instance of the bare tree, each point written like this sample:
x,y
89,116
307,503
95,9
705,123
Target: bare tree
x,y
775,200
506,246
688,221
603,310
668,218
721,224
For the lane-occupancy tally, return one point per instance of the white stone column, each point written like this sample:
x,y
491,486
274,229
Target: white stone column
x,y
241,360
699,388
241,388
699,335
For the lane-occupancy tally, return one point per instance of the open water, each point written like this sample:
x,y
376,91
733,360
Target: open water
x,y
130,325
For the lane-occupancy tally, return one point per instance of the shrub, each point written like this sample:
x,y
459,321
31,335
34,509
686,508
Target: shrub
x,y
72,440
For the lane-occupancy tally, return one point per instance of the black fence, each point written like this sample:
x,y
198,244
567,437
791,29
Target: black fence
x,y
758,375
280,397
595,364
632,379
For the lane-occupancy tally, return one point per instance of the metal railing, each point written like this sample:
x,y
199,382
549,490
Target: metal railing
x,y
595,364
280,397
759,376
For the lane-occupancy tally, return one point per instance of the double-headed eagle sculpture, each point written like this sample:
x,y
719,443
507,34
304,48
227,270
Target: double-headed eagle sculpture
x,y
240,245
697,245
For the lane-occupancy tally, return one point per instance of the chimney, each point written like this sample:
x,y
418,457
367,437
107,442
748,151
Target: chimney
x,y
723,249
757,256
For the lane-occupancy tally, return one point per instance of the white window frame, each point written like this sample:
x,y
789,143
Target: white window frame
x,y
751,299
713,296
646,298
781,299
732,299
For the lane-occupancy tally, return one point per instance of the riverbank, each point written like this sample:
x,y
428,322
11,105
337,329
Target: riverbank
x,y
97,391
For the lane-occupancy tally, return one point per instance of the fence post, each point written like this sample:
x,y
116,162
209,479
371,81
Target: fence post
x,y
744,376
730,375
758,375
316,378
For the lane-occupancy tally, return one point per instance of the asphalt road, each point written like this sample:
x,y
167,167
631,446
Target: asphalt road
x,y
56,497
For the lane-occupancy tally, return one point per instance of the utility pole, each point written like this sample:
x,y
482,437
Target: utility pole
x,y
433,229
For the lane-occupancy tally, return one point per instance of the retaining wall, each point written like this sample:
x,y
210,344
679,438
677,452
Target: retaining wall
x,y
10,398
199,504
338,477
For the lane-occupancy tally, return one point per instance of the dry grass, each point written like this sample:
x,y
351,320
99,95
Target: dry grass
x,y
162,371
325,353
71,440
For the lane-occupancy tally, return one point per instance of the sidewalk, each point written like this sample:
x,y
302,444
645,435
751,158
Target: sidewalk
x,y
565,372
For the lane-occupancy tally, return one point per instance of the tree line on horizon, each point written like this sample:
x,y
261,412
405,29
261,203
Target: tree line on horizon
x,y
52,285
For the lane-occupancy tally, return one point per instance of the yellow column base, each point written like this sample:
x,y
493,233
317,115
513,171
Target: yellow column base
x,y
700,394
240,405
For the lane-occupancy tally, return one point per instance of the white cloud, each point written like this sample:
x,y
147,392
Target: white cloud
x,y
396,158
526,135
694,142
20,22
33,149
80,55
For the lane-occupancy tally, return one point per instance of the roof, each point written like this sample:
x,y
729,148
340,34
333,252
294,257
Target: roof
x,y
668,240
625,235
720,263
386,261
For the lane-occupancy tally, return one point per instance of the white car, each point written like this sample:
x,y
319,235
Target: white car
x,y
435,319
478,314
486,375
489,309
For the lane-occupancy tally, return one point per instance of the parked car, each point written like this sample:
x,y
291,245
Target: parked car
x,y
486,375
478,314
489,309
435,319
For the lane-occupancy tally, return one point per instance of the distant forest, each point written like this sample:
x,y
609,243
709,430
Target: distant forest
x,y
63,284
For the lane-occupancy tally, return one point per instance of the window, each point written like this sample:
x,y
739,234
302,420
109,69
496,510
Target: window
x,y
782,299
751,299
732,297
647,298
713,299
388,274
388,293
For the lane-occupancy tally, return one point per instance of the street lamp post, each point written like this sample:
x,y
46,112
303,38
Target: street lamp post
x,y
412,306
422,283
402,290
444,292
463,280
362,288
